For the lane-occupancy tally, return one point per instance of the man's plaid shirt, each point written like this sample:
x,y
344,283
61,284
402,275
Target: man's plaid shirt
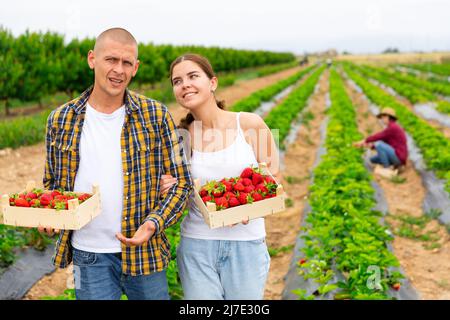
x,y
150,147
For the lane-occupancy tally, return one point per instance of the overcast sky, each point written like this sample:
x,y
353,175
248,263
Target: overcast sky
x,y
358,26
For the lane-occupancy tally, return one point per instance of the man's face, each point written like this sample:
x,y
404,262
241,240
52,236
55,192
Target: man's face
x,y
114,64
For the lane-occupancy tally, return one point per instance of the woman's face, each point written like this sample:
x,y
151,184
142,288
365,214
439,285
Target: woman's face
x,y
191,85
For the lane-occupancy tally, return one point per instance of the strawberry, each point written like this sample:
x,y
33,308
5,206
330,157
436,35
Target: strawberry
x,y
301,261
45,199
246,182
35,203
262,189
233,202
239,187
396,286
221,203
23,196
217,194
31,196
60,197
203,193
257,196
84,197
20,202
256,178
229,195
247,173
249,189
206,199
55,193
269,179
245,198
228,186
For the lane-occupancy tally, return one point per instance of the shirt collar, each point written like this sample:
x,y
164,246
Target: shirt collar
x,y
131,103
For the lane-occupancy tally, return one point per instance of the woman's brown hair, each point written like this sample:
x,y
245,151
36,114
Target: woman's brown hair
x,y
205,65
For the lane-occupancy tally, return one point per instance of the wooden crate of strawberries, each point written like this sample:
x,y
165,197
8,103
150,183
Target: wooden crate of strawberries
x,y
254,194
53,208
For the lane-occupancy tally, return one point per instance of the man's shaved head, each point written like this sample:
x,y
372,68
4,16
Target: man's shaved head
x,y
116,34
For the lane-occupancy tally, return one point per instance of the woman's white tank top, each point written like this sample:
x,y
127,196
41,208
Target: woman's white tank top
x,y
225,163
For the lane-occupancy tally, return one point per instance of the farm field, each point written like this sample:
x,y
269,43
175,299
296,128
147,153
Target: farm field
x,y
346,233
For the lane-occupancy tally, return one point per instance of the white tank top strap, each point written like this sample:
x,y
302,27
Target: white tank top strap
x,y
238,124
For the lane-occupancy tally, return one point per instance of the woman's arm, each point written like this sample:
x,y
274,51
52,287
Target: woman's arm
x,y
260,137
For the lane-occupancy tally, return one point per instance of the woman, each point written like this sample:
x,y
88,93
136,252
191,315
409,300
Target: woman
x,y
228,262
390,143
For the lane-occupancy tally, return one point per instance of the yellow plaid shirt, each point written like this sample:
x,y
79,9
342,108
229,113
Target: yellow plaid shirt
x,y
151,147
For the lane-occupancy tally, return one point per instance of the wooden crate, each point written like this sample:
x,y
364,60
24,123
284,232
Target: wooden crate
x,y
75,218
216,219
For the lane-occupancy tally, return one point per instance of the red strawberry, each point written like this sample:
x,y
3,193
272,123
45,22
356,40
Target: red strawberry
x,y
249,189
245,198
35,203
246,181
55,193
229,195
247,173
60,197
396,286
203,193
23,196
31,195
269,179
301,261
239,187
257,178
221,203
217,194
84,197
45,199
20,202
257,196
206,199
228,186
233,202
261,188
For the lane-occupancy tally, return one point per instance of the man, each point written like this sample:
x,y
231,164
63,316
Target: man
x,y
390,144
124,142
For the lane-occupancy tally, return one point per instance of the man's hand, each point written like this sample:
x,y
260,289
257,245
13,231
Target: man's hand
x,y
142,235
359,144
47,230
167,181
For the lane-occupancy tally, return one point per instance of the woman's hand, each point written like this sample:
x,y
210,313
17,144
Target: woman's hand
x,y
245,222
359,144
167,181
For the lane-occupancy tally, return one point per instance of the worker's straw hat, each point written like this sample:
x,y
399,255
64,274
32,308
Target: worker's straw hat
x,y
387,112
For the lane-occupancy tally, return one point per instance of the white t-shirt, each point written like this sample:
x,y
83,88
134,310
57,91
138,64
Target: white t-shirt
x,y
101,163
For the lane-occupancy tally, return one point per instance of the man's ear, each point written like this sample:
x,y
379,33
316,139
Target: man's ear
x,y
91,59
136,67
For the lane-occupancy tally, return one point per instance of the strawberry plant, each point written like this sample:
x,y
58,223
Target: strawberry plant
x,y
435,147
343,234
253,101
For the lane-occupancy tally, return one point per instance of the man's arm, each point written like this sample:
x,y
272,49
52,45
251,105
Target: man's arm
x,y
170,208
48,179
379,136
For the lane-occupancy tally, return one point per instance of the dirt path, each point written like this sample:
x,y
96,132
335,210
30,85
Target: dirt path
x,y
282,229
27,163
428,269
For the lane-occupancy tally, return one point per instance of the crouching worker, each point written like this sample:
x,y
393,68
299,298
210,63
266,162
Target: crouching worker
x,y
390,144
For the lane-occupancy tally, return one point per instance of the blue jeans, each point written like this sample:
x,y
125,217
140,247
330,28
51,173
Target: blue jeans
x,y
222,269
98,276
385,155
